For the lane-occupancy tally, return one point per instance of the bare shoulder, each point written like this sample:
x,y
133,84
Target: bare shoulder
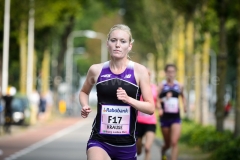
x,y
140,73
181,86
95,68
160,85
140,69
94,72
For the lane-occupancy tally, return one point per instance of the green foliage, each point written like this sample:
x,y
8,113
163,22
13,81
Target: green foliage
x,y
135,18
222,145
147,21
205,137
230,150
186,7
83,65
51,13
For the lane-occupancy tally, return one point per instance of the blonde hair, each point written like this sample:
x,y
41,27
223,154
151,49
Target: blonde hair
x,y
121,27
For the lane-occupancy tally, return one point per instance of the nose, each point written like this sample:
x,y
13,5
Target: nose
x,y
117,44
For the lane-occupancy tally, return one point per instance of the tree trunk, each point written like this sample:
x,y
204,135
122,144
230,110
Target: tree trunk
x,y
237,112
197,86
45,71
23,57
221,68
181,57
189,58
1,74
181,43
158,62
151,11
34,84
205,79
63,46
172,57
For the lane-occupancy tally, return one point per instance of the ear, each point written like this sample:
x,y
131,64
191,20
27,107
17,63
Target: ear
x,y
130,47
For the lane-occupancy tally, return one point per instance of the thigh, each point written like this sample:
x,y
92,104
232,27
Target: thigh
x,y
139,145
166,134
140,130
150,136
97,153
175,132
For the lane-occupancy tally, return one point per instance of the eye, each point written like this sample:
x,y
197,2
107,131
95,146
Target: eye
x,y
123,41
113,40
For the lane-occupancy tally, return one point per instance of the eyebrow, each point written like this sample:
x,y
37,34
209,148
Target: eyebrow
x,y
120,39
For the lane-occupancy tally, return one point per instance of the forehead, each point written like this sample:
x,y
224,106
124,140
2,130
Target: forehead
x,y
120,34
171,68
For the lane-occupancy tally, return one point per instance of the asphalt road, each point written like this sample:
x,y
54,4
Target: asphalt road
x,y
66,143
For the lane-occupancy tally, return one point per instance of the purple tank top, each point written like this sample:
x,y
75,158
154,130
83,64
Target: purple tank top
x,y
128,74
115,122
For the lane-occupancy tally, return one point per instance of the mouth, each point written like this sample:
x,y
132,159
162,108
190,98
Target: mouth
x,y
116,51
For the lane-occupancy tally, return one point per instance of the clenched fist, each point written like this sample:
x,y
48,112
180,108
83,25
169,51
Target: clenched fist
x,y
122,95
85,111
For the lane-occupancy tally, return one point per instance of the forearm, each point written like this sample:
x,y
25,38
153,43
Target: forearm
x,y
83,98
142,106
159,108
184,102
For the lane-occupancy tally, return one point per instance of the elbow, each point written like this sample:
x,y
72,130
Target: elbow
x,y
151,110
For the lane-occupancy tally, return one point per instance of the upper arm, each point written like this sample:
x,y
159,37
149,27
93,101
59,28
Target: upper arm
x,y
143,79
182,91
159,90
91,78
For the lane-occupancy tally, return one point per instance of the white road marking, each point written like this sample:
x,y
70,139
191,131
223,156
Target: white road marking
x,y
48,140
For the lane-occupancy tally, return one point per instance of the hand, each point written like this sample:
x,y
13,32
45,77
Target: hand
x,y
160,111
185,109
85,111
122,95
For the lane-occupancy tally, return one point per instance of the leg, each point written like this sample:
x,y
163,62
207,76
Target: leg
x,y
148,144
140,133
97,153
175,134
139,145
166,137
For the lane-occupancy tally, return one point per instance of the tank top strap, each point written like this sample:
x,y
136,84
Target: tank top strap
x,y
164,82
130,68
131,65
105,65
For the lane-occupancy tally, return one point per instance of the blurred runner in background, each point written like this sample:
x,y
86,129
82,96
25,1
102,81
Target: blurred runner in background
x,y
146,127
169,91
7,110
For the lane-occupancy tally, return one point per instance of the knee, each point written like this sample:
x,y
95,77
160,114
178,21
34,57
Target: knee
x,y
139,151
174,143
166,145
147,149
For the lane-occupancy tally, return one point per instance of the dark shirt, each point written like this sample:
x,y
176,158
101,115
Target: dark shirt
x,y
42,105
8,100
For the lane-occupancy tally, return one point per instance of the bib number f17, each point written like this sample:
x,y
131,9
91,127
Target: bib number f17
x,y
115,120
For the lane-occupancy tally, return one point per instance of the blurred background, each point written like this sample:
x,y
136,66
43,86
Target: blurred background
x,y
48,46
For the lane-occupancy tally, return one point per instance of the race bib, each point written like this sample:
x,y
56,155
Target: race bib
x,y
115,120
171,105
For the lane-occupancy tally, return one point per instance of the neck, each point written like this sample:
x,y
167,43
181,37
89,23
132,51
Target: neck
x,y
118,63
170,81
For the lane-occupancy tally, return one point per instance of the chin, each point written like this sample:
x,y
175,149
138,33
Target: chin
x,y
117,56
